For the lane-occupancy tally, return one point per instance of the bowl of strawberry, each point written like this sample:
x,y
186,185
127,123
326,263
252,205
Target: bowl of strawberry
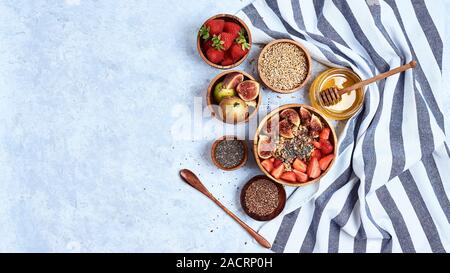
x,y
224,41
295,145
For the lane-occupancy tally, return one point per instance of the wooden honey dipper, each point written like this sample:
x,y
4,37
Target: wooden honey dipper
x,y
333,95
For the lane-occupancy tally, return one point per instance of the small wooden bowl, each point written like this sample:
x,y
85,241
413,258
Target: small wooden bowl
x,y
264,79
229,18
281,200
213,149
210,92
333,141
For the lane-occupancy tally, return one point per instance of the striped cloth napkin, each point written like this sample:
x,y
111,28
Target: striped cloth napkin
x,y
388,191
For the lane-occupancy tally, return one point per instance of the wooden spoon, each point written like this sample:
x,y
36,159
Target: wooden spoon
x,y
332,96
193,180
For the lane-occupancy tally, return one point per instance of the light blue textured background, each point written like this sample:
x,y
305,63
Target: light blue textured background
x,y
88,160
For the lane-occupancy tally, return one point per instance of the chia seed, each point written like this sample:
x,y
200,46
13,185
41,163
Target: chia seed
x,y
229,153
261,197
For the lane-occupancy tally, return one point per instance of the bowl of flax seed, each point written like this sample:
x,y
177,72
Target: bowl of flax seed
x,y
284,65
262,199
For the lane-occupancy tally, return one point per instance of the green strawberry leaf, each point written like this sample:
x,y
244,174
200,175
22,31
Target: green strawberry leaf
x,y
217,42
204,32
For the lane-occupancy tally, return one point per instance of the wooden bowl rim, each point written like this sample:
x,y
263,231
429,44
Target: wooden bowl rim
x,y
308,58
249,35
210,103
213,148
281,199
277,110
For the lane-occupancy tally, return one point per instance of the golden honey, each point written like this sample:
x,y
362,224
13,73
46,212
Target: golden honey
x,y
337,77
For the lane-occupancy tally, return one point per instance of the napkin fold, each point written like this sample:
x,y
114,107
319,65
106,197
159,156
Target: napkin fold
x,y
389,188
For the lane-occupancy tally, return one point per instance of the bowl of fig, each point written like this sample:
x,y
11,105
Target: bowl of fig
x,y
233,96
295,145
224,41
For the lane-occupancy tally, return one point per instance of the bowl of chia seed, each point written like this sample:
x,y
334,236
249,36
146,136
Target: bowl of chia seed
x,y
262,199
229,153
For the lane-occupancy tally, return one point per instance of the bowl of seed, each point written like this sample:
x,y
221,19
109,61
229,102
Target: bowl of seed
x,y
229,153
284,65
262,199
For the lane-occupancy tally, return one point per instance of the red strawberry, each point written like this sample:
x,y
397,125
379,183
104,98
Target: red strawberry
x,y
326,147
316,153
289,176
316,144
215,26
227,60
207,45
277,162
237,52
313,170
278,171
223,41
325,134
232,28
272,159
301,177
268,165
299,165
325,161
214,55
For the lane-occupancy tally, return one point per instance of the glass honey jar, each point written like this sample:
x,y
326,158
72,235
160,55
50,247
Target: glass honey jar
x,y
337,77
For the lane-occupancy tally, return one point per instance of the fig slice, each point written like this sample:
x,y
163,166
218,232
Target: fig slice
x,y
232,80
271,126
315,124
265,147
286,129
291,115
248,90
305,115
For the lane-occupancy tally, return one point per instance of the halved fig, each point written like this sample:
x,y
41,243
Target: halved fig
x,y
286,129
305,115
315,124
271,126
265,147
291,115
232,80
248,90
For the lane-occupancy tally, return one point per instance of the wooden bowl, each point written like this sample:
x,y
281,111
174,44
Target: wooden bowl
x,y
333,141
210,92
213,158
264,79
230,18
281,200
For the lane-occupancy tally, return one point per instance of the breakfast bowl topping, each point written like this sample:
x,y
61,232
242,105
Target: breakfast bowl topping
x,y
223,41
298,148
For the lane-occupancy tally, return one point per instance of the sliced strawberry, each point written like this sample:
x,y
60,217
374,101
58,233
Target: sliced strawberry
x,y
272,159
301,177
215,26
268,165
232,28
214,55
326,147
299,165
316,153
313,170
316,144
325,134
324,162
289,176
278,171
277,162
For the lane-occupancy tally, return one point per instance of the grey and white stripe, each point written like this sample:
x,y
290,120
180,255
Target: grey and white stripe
x,y
389,190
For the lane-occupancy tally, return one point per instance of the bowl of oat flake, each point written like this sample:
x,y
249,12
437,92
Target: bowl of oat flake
x,y
284,65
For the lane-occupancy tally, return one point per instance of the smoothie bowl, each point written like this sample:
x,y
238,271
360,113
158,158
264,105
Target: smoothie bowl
x,y
294,145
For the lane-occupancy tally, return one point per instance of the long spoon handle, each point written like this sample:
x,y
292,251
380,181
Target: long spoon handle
x,y
381,76
193,180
